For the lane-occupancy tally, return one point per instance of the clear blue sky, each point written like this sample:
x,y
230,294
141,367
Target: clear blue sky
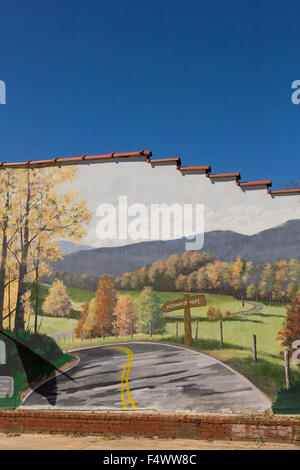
x,y
209,81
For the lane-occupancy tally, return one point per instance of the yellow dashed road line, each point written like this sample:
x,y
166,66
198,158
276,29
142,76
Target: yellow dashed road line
x,y
128,367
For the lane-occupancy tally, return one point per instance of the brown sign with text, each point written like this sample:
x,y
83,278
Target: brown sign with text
x,y
186,303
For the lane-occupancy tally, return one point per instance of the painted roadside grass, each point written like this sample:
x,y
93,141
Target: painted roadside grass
x,y
268,373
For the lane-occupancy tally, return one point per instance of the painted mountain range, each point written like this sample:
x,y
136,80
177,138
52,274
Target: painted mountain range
x,y
281,242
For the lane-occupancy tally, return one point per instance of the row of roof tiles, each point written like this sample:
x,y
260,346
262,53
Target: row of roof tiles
x,y
206,169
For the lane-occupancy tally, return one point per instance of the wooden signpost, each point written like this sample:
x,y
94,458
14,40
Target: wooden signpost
x,y
186,303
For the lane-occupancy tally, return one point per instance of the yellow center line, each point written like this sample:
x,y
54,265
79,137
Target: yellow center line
x,y
128,367
127,377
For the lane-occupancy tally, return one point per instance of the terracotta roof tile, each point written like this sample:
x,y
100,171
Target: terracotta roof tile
x,y
145,153
284,191
255,183
148,154
165,160
224,175
206,168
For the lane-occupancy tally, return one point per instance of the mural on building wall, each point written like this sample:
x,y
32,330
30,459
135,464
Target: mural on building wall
x,y
100,257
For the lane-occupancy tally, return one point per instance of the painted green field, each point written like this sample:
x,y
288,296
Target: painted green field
x,y
51,325
223,302
79,297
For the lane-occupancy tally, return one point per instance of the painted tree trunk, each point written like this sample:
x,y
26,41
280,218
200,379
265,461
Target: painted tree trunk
x,y
36,299
22,287
3,261
2,273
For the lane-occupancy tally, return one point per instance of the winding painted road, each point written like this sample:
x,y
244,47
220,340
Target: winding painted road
x,y
148,376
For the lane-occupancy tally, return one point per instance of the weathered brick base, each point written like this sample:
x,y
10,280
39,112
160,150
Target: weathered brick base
x,y
165,425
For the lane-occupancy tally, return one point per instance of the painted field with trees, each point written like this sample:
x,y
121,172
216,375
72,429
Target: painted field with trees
x,y
108,315
202,272
275,326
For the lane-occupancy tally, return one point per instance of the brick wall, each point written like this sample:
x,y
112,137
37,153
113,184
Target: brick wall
x,y
151,424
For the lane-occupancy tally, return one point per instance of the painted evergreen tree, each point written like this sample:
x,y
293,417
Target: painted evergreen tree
x,y
58,303
125,316
148,309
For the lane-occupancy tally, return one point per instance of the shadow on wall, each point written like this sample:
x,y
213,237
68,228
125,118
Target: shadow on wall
x,y
34,366
288,401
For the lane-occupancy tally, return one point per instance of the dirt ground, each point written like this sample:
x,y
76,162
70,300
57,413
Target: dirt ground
x,y
69,442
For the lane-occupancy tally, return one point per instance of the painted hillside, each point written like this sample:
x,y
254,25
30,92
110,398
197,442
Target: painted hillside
x,y
281,242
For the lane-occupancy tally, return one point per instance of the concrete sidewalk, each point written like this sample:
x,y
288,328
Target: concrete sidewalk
x,y
62,442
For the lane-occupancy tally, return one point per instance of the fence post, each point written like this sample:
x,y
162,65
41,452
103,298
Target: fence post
x,y
131,326
81,337
221,334
254,348
196,332
177,330
287,368
150,328
102,332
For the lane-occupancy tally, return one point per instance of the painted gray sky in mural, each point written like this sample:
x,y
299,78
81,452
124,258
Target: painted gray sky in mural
x,y
226,205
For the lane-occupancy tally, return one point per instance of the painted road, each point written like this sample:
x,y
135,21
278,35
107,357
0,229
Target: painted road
x,y
148,376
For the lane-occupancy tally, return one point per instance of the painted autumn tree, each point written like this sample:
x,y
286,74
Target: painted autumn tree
x,y
125,316
9,225
46,213
240,276
217,275
148,309
265,286
290,330
106,299
91,325
97,317
34,212
181,282
82,319
281,276
58,303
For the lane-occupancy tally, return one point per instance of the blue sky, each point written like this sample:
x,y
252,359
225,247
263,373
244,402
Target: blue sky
x,y
209,81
